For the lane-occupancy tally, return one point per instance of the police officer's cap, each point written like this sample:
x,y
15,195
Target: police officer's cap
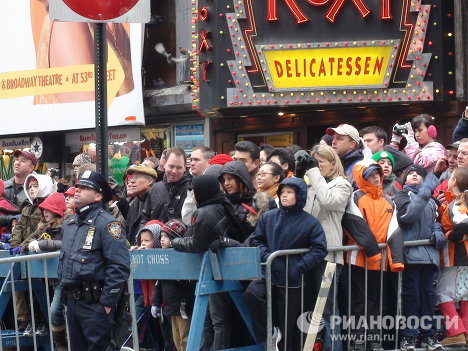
x,y
96,181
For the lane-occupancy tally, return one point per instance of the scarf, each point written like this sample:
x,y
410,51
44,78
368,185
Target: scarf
x,y
236,198
147,288
271,191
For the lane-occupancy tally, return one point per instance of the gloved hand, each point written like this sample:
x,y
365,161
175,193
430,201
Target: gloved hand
x,y
5,246
34,246
366,151
222,243
304,162
440,167
438,240
6,237
16,250
410,136
396,138
155,311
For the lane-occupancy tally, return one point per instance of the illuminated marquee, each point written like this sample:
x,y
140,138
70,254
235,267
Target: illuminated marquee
x,y
318,52
313,66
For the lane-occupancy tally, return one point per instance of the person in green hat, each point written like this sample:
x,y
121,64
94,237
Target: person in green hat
x,y
390,184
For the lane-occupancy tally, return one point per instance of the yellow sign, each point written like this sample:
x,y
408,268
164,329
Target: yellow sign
x,y
61,79
281,140
328,67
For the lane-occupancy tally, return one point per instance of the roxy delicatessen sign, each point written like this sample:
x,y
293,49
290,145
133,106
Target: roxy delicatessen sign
x,y
296,52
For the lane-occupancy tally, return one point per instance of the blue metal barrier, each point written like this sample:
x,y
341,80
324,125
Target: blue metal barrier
x,y
215,273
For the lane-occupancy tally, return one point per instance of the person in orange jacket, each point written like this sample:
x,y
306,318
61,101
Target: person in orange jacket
x,y
450,288
370,220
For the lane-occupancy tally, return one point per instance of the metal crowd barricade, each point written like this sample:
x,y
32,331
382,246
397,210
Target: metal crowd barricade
x,y
221,272
215,273
327,280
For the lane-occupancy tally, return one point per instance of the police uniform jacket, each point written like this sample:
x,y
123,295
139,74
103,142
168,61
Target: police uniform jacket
x,y
94,249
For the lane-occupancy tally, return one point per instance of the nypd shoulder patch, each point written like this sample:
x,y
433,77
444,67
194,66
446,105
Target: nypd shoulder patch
x,y
114,229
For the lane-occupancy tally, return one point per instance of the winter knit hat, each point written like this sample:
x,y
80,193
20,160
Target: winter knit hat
x,y
401,160
55,203
328,139
383,154
419,170
174,228
155,228
70,191
213,170
221,159
82,159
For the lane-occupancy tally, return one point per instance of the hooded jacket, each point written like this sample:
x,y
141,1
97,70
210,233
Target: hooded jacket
x,y
48,233
213,219
146,286
369,213
288,228
166,199
239,170
189,207
417,212
327,202
55,203
31,214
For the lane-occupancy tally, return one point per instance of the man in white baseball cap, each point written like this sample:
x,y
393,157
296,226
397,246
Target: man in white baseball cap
x,y
346,144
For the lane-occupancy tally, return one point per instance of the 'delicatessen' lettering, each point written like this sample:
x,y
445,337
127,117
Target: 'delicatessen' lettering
x,y
312,67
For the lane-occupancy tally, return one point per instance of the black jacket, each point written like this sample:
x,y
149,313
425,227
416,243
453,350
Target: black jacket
x,y
174,296
137,216
166,199
239,170
214,217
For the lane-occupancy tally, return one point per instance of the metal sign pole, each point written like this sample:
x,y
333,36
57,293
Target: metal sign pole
x,y
100,85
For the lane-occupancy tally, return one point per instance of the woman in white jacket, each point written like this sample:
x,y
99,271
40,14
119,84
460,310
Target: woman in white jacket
x,y
327,198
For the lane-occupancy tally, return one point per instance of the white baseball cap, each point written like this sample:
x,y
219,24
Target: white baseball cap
x,y
345,129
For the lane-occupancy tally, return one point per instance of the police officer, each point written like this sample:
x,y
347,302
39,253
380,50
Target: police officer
x,y
94,265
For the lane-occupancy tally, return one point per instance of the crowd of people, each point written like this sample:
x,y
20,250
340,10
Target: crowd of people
x,y
353,188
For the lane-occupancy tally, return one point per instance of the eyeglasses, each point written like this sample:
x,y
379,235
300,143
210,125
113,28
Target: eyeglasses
x,y
263,174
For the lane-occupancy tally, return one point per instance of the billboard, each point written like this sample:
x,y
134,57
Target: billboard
x,y
123,11
47,71
266,53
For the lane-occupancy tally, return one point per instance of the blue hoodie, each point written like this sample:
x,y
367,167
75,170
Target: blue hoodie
x,y
287,228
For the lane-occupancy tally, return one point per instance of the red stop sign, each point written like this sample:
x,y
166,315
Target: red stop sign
x,y
101,10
